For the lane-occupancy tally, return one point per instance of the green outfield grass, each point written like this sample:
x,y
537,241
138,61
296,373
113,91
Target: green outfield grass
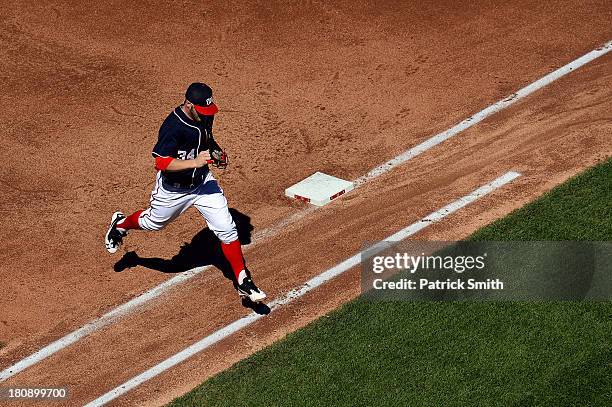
x,y
448,354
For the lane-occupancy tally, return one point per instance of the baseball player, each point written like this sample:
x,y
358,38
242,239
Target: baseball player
x,y
184,149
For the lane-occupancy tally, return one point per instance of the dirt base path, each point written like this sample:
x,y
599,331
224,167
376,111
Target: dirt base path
x,y
373,84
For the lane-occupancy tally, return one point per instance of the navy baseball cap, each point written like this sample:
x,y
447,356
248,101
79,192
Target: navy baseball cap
x,y
200,95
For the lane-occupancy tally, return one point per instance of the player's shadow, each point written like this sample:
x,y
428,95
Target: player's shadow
x,y
203,250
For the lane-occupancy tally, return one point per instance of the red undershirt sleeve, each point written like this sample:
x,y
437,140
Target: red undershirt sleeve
x,y
161,163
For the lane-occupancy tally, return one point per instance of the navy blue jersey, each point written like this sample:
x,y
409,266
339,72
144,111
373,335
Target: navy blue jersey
x,y
183,139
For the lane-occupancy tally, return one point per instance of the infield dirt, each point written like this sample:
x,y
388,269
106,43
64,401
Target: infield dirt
x,y
314,87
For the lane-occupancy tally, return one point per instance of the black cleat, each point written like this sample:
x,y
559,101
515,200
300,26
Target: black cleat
x,y
250,290
114,237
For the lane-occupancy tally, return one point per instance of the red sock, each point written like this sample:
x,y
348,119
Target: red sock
x,y
233,254
131,222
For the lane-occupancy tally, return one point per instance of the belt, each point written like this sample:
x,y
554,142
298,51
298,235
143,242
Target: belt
x,y
175,186
178,186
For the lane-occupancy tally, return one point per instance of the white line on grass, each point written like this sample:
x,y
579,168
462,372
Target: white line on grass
x,y
109,317
298,292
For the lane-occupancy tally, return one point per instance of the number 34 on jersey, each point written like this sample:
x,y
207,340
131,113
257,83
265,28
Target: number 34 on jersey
x,y
182,155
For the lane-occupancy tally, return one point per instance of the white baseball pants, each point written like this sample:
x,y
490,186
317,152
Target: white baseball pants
x,y
208,198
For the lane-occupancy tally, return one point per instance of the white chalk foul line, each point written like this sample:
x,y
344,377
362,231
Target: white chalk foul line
x,y
298,292
95,325
281,225
458,128
483,114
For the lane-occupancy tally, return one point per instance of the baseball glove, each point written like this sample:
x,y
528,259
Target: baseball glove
x,y
220,159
